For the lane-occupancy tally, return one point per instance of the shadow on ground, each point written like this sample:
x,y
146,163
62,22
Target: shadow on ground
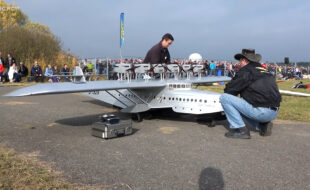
x,y
88,119
211,179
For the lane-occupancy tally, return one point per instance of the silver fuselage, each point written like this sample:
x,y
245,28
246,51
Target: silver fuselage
x,y
177,95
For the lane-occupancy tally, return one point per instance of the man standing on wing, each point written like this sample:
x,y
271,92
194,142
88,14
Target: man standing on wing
x,y
159,53
260,97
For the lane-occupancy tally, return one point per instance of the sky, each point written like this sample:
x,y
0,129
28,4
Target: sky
x,y
217,29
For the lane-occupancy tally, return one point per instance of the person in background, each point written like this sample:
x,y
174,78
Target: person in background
x,y
84,63
1,59
212,67
36,72
1,71
85,70
3,74
13,74
90,67
66,71
102,67
23,70
206,65
97,66
112,64
49,72
55,78
9,61
264,65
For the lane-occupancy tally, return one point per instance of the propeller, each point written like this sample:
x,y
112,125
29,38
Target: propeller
x,y
133,70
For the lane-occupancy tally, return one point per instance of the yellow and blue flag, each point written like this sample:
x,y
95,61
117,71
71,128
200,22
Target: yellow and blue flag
x,y
122,30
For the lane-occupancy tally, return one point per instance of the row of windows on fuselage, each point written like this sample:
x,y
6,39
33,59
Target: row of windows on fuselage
x,y
186,99
172,98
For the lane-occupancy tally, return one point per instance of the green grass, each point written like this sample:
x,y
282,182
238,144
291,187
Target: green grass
x,y
292,107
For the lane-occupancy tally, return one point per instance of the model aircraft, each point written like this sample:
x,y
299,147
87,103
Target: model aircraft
x,y
141,95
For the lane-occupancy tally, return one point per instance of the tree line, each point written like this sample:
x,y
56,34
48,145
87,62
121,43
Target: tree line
x,y
28,41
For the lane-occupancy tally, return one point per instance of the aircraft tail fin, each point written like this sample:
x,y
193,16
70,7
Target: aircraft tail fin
x,y
78,75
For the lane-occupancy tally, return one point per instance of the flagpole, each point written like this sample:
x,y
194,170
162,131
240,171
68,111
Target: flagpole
x,y
121,34
108,68
120,53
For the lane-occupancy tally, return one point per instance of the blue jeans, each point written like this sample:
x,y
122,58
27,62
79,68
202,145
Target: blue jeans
x,y
235,107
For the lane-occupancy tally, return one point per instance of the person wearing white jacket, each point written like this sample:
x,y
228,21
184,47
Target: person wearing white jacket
x,y
13,74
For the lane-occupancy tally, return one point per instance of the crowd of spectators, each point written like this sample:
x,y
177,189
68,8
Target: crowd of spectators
x,y
10,71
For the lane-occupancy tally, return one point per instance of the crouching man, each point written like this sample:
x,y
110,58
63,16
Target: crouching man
x,y
260,97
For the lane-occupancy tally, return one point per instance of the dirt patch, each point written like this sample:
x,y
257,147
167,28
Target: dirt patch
x,y
14,103
168,130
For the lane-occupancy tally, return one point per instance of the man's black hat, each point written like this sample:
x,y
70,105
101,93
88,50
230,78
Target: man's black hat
x,y
249,54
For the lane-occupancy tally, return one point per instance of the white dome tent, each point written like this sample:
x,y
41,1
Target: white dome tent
x,y
195,57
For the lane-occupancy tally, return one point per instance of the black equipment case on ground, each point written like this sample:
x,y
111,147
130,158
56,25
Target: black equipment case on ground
x,y
111,126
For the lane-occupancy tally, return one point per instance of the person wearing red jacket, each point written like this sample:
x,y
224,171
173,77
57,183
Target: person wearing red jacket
x,y
1,71
1,66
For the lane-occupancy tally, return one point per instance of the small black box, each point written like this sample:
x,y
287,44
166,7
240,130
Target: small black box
x,y
107,130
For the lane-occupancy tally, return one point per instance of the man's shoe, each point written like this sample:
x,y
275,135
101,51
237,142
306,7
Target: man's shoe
x,y
239,133
265,129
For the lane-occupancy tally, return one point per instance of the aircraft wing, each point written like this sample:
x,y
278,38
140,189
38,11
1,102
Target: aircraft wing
x,y
68,87
209,79
287,92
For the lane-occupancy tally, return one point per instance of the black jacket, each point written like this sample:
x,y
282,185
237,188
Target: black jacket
x,y
65,71
255,85
23,70
157,54
9,62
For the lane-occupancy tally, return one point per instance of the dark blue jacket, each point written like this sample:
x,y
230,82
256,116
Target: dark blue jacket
x,y
65,71
36,70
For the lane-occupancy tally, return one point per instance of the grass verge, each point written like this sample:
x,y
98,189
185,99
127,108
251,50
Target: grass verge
x,y
25,172
20,172
292,107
